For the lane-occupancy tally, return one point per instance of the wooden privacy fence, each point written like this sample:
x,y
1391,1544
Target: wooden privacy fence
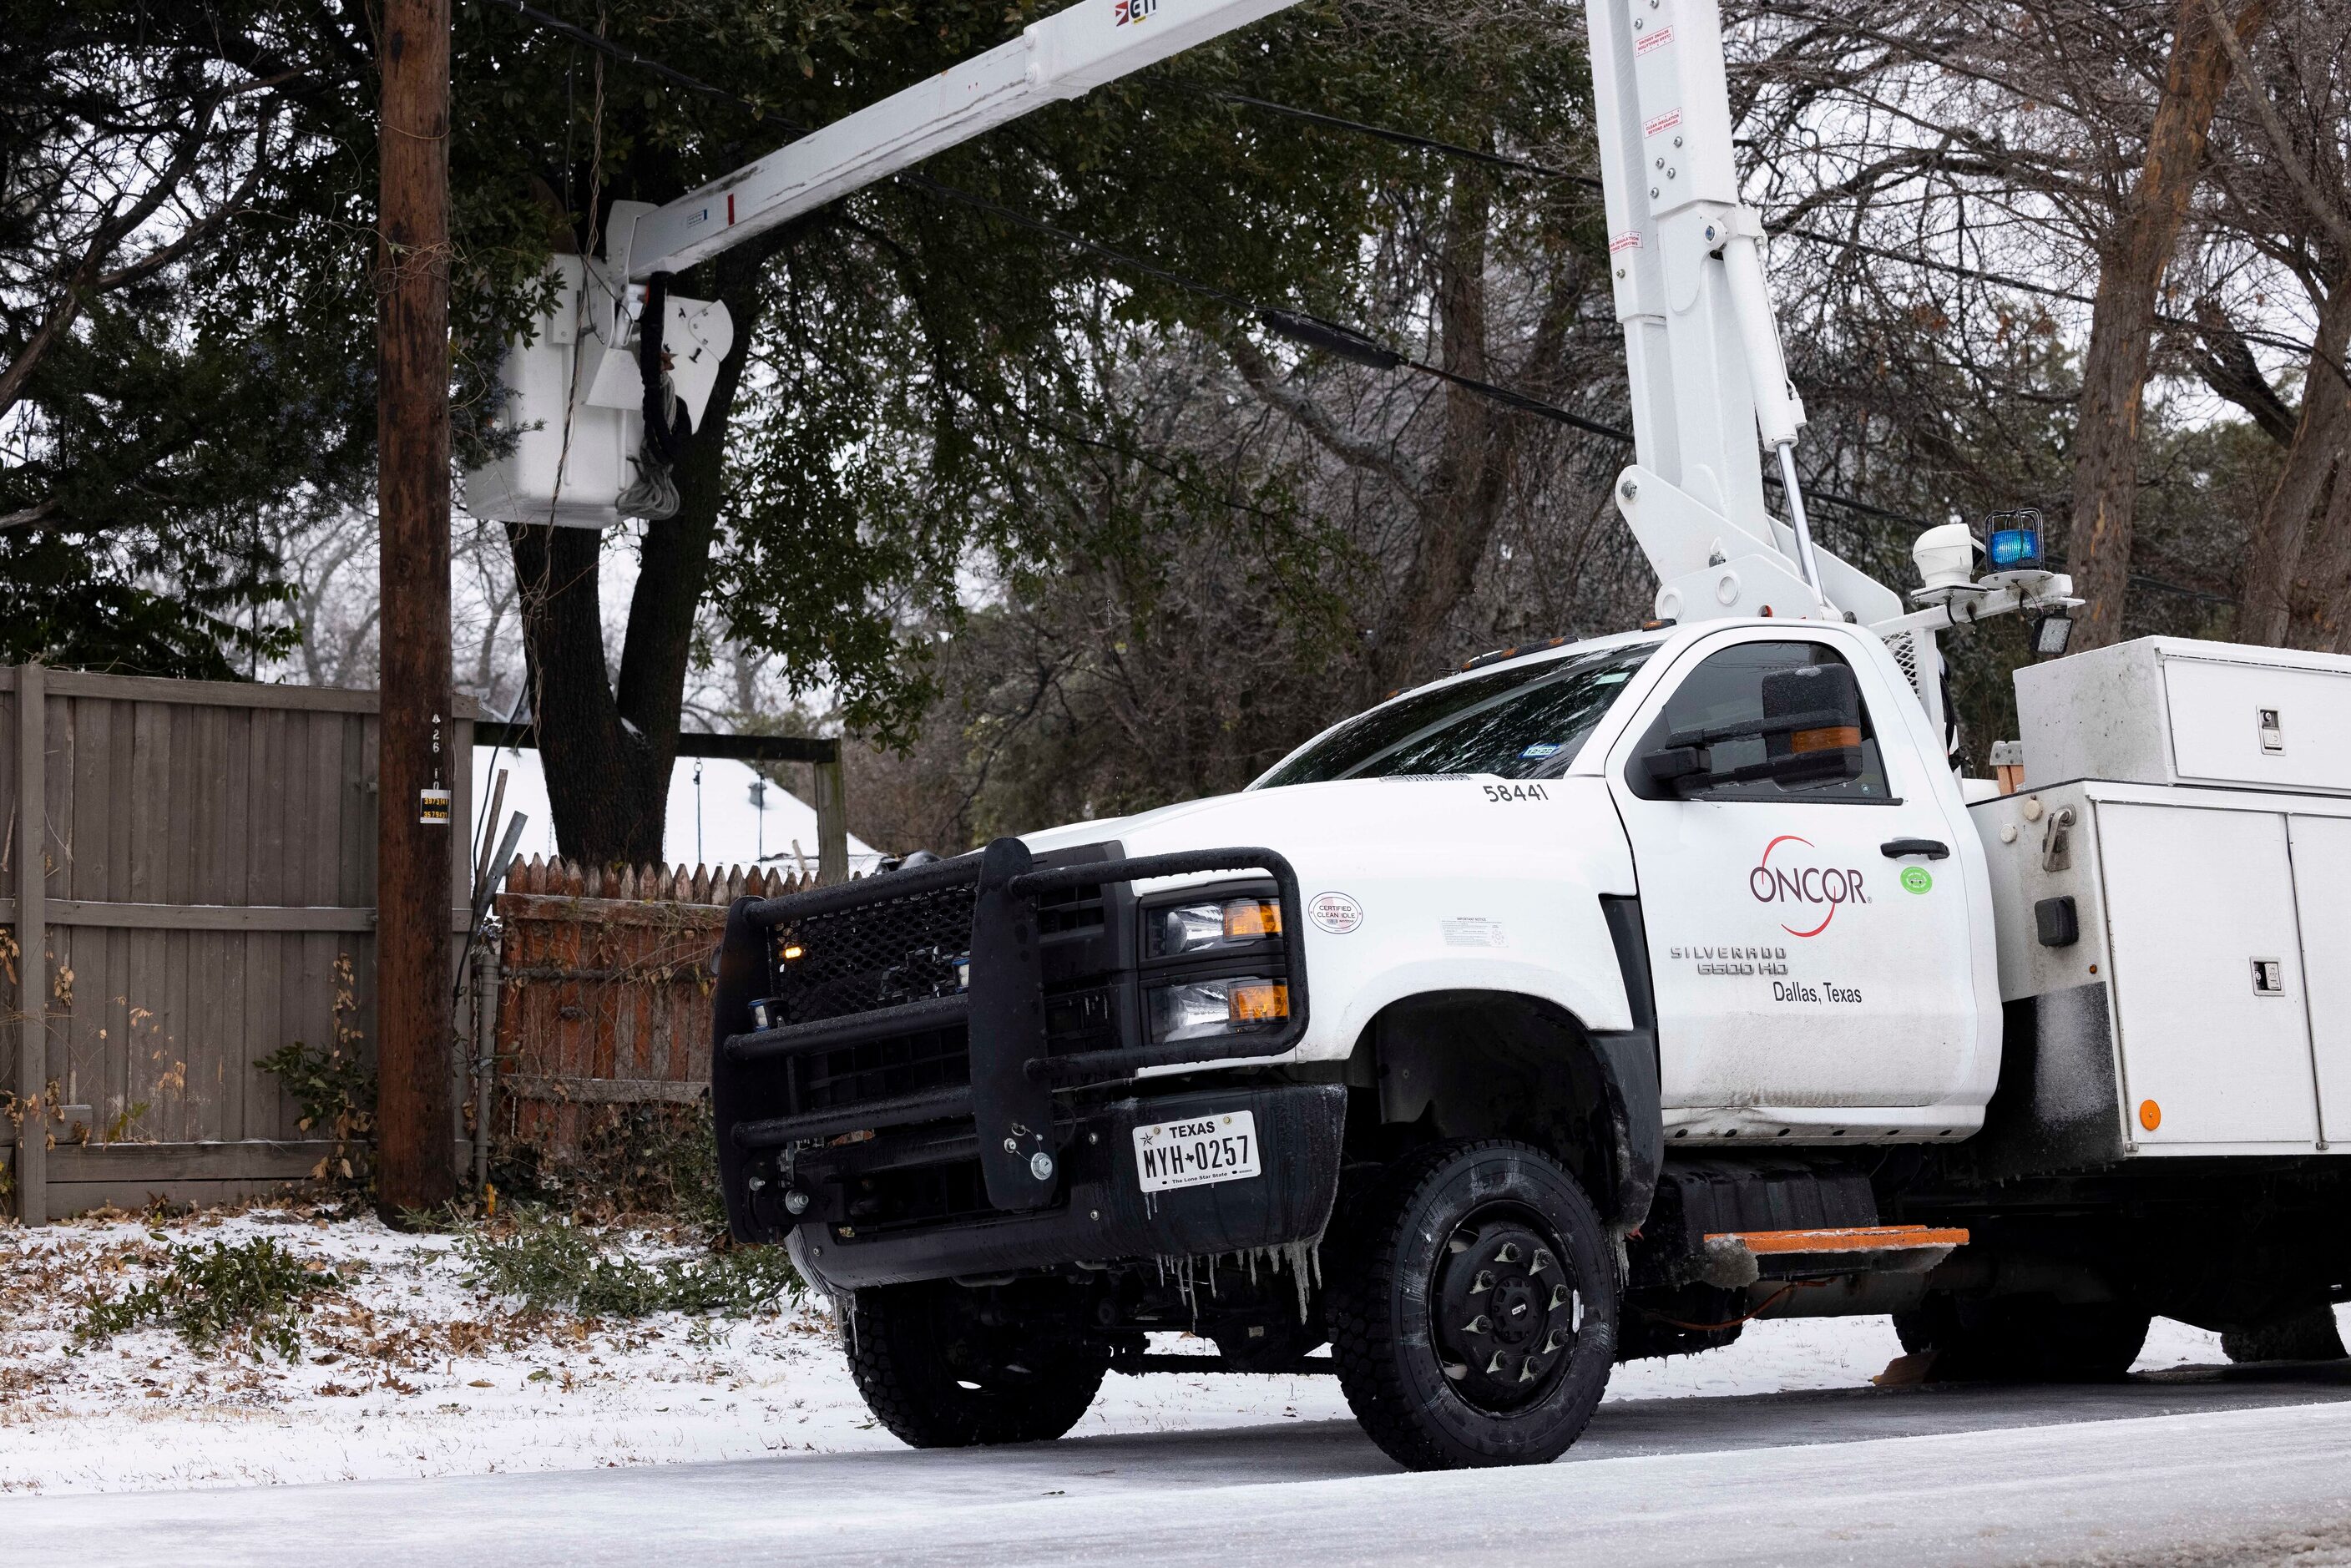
x,y
605,993
190,872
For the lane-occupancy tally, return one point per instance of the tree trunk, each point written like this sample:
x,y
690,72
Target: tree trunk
x,y
2114,372
608,746
1470,477
2273,556
2325,621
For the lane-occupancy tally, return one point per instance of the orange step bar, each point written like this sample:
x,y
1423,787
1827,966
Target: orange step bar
x,y
1850,1238
1741,1257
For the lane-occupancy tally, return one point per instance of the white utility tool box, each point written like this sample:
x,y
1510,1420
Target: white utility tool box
x,y
2165,710
2173,886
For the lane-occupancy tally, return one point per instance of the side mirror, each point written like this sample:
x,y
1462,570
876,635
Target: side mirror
x,y
1812,725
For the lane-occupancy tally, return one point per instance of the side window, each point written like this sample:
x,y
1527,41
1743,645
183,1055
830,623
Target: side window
x,y
1728,688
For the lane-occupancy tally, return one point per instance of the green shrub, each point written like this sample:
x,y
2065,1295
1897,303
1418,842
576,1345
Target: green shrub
x,y
210,1294
333,1089
549,1263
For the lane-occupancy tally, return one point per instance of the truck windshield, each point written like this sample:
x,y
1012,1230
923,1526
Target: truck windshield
x,y
1521,721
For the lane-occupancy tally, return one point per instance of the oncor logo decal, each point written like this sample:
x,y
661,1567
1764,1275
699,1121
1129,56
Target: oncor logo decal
x,y
1807,885
1126,11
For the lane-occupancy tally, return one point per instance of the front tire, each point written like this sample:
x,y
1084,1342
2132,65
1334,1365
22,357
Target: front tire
x,y
939,1376
1473,1313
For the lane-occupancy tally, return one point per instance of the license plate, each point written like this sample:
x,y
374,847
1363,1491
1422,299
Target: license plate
x,y
1201,1153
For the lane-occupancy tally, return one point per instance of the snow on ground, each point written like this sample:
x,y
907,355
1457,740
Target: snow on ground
x,y
410,1371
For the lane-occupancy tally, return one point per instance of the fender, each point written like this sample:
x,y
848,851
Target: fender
x,y
1629,1069
1532,1058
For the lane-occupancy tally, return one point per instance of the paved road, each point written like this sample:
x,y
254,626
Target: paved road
x,y
2212,1465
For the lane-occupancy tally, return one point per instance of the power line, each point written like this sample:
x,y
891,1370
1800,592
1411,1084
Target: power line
x,y
1425,143
1347,342
1409,139
602,46
1548,172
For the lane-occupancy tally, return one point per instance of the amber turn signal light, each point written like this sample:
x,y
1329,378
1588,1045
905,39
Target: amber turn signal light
x,y
1259,1001
1251,917
1837,737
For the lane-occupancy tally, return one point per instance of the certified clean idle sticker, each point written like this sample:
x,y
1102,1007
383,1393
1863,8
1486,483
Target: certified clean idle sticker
x,y
1916,879
1335,912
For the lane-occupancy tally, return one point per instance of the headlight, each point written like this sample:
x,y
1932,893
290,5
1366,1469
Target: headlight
x,y
1199,1009
1186,929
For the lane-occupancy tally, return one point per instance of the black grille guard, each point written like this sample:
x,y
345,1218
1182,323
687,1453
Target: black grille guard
x,y
1013,1077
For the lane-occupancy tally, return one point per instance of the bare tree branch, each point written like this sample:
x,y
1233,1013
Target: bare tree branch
x,y
2328,212
1355,450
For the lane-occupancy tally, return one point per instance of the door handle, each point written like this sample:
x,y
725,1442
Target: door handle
x,y
1933,849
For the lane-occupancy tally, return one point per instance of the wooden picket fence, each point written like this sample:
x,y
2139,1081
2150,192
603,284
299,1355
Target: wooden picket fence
x,y
719,885
604,997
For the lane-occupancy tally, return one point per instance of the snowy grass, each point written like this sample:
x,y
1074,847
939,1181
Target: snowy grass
x,y
414,1366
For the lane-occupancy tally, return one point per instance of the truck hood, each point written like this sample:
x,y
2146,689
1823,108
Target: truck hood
x,y
1453,826
1415,886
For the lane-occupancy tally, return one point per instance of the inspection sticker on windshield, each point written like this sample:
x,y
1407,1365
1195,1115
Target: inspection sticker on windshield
x,y
1222,1148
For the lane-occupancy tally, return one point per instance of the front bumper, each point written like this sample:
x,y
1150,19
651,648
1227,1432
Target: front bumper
x,y
890,1112
1105,1214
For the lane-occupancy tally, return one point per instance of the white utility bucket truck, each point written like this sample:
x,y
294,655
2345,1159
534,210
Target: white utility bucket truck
x,y
1592,1001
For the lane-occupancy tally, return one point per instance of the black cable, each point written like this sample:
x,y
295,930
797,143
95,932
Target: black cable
x,y
1345,341
1527,166
581,36
1408,139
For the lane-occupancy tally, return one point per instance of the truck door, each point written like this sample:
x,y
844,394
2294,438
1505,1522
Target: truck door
x,y
1808,947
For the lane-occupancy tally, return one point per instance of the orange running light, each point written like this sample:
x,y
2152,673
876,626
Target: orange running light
x,y
1252,917
2150,1114
1259,1001
1840,737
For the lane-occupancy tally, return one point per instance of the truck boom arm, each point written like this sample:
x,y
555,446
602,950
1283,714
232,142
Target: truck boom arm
x,y
1709,382
1065,55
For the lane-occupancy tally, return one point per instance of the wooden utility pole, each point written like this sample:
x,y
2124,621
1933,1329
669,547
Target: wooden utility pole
x,y
415,1149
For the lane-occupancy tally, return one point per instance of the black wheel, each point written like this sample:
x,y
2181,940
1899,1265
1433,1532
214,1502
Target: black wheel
x,y
2024,1339
1473,1307
2307,1335
939,1376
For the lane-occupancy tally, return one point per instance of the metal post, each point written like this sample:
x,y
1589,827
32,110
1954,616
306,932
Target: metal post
x,y
831,821
485,1052
1805,563
417,1160
32,940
